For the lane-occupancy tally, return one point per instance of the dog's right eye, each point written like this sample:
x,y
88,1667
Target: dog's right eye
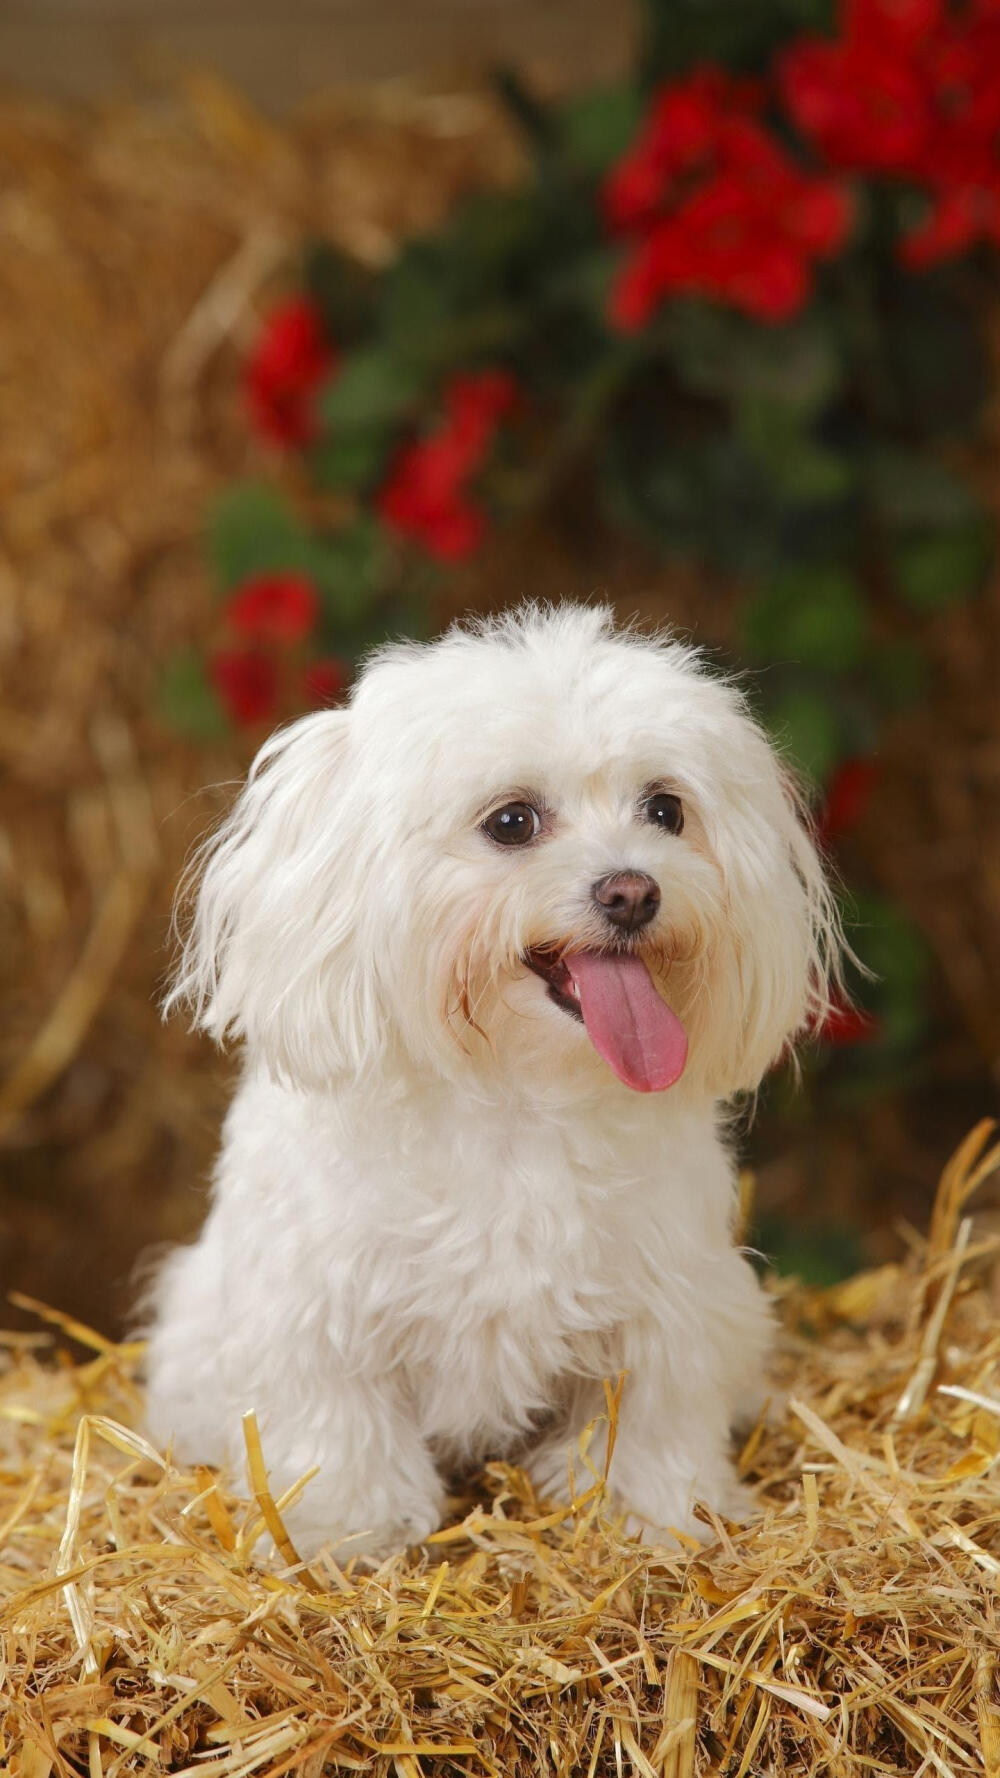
x,y
516,824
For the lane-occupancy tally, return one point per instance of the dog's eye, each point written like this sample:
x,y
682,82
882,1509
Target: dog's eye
x,y
664,810
513,825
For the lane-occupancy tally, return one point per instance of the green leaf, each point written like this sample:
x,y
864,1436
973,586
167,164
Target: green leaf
x,y
187,701
348,569
252,531
722,353
813,615
372,388
352,461
896,953
806,731
802,469
900,671
471,289
598,126
415,296
937,570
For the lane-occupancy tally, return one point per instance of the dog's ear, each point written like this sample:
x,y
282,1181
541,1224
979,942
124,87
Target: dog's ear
x,y
783,945
273,953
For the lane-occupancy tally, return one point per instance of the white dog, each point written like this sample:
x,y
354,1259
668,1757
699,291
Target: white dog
x,y
500,941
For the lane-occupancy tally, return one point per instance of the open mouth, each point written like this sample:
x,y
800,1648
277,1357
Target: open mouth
x,y
554,971
627,1020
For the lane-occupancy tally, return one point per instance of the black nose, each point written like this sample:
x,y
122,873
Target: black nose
x,y
628,898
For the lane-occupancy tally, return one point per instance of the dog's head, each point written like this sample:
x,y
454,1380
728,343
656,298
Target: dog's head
x,y
537,846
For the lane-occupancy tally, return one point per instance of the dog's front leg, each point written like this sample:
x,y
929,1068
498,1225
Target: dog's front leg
x,y
672,1445
673,1449
688,1383
377,1490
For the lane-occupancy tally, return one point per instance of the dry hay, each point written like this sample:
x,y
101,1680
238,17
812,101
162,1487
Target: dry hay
x,y
139,245
850,1630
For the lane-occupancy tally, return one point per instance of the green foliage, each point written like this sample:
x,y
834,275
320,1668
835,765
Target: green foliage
x,y
741,34
814,614
891,947
596,127
936,569
819,1253
186,700
721,353
805,729
252,531
343,290
799,468
935,369
349,569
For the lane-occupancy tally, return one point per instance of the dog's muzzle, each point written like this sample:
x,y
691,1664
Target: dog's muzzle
x,y
628,899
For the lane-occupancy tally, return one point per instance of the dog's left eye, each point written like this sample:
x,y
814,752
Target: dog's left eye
x,y
513,825
664,810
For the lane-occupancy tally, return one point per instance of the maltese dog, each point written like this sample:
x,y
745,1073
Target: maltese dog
x,y
500,941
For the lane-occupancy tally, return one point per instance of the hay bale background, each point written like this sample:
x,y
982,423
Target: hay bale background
x,y
137,246
851,1630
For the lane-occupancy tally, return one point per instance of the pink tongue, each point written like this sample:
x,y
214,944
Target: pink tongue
x,y
627,1022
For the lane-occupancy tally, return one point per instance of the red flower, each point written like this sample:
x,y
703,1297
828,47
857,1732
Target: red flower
x,y
289,361
324,680
679,134
719,208
425,496
482,398
846,1025
956,220
274,608
911,90
900,24
863,106
848,795
247,684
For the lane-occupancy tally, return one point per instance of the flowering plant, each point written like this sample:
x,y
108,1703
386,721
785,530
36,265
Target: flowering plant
x,y
737,306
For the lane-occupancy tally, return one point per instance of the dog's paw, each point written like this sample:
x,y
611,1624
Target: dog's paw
x,y
734,1502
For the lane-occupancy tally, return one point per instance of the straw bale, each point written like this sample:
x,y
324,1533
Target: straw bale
x,y
158,1619
139,245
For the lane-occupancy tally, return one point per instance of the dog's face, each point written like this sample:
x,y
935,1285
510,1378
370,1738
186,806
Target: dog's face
x,y
542,850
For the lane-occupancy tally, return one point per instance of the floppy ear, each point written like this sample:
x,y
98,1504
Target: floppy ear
x,y
783,928
273,954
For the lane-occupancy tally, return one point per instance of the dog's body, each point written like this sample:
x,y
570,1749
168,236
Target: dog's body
x,y
440,1220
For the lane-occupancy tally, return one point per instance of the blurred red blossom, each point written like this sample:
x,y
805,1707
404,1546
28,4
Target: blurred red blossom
x,y
424,496
910,89
324,680
847,797
290,359
246,683
274,608
846,1025
718,207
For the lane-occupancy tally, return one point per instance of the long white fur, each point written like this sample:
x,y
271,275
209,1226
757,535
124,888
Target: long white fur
x,y
439,1220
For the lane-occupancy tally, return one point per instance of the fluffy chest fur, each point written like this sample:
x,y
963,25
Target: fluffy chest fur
x,y
485,1255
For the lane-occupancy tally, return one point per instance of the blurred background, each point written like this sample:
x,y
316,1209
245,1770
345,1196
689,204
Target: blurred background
x,y
321,322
